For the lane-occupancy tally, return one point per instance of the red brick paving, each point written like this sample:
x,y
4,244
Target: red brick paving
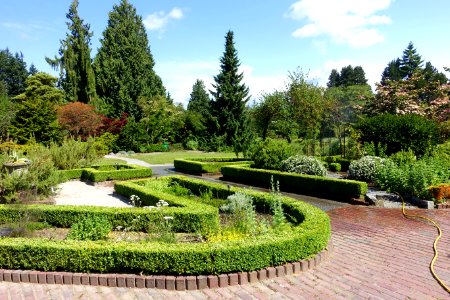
x,y
377,254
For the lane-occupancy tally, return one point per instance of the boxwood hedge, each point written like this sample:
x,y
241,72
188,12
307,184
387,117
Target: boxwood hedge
x,y
309,235
98,173
207,165
330,188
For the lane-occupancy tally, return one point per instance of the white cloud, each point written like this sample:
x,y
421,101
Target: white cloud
x,y
179,77
159,20
346,21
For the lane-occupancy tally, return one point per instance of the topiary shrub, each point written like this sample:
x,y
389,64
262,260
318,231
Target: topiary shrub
x,y
304,165
365,168
270,153
334,167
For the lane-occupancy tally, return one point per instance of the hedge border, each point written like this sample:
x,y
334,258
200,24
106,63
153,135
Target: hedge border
x,y
330,188
304,241
178,283
93,173
207,165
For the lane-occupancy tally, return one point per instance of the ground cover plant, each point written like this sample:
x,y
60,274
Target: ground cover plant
x,y
292,230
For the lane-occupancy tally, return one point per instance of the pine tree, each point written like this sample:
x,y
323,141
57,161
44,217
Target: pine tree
x,y
124,64
230,95
334,79
392,72
75,64
13,72
410,61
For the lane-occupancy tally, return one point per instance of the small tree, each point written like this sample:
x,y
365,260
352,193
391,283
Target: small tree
x,y
79,119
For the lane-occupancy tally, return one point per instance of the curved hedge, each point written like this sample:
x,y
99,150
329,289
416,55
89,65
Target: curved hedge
x,y
330,188
309,236
207,165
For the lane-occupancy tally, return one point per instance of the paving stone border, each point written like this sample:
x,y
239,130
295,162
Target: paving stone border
x,y
174,283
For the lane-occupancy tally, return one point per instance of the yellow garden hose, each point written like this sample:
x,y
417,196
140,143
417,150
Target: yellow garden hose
x,y
434,245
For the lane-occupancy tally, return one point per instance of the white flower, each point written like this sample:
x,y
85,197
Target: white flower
x,y
168,218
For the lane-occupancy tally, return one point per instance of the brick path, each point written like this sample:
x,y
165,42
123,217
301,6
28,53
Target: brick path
x,y
377,255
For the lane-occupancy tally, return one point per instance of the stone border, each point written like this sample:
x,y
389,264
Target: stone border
x,y
173,283
445,205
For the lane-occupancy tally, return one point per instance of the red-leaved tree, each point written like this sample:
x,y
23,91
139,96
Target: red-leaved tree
x,y
81,120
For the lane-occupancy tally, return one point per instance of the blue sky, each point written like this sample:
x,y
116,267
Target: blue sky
x,y
273,37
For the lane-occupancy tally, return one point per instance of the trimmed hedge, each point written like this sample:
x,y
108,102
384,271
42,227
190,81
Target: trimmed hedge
x,y
330,188
344,162
207,165
98,173
308,237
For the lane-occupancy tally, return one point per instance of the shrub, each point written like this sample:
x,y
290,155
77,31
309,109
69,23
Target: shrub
x,y
243,215
192,145
365,168
72,154
303,165
106,143
335,167
270,153
399,132
440,192
403,157
90,229
345,163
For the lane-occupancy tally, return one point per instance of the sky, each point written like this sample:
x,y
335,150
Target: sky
x,y
272,37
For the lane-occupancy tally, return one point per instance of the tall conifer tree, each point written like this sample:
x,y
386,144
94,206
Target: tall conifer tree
x,y
76,71
124,65
230,94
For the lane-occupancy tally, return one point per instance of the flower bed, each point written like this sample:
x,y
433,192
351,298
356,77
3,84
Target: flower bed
x,y
330,188
309,234
207,165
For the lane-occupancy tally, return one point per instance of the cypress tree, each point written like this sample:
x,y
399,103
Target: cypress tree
x,y
76,71
230,95
124,64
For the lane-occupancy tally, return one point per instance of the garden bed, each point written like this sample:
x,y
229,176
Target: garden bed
x,y
307,235
207,165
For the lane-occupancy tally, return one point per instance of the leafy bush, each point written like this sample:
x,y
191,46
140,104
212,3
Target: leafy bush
x,y
106,143
270,153
243,214
192,145
399,132
72,154
90,229
413,179
303,165
403,157
335,167
365,168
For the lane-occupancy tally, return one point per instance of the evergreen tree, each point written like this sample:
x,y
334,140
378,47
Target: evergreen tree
x,y
410,61
392,72
199,121
230,95
32,70
13,72
124,65
359,76
334,79
199,101
76,72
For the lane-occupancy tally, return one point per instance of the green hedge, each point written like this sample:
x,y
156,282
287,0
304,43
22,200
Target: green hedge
x,y
98,173
330,188
307,238
207,165
344,162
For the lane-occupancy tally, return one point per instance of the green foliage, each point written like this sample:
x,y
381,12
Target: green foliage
x,y
403,158
366,168
13,73
106,143
349,76
413,178
199,120
7,114
229,95
90,229
73,154
399,132
240,208
270,153
330,188
36,113
124,65
76,72
334,167
303,165
345,163
115,172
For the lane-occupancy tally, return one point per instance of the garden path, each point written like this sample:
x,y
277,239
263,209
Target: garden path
x,y
378,254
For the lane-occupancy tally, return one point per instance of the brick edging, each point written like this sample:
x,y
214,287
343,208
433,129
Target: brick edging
x,y
178,283
445,205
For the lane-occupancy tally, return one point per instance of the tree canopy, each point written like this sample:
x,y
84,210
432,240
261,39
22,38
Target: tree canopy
x,y
13,72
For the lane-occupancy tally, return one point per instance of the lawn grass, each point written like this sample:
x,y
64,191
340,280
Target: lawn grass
x,y
158,158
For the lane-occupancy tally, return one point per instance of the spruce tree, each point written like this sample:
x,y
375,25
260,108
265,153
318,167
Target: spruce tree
x,y
75,64
230,95
410,62
124,65
199,101
13,72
